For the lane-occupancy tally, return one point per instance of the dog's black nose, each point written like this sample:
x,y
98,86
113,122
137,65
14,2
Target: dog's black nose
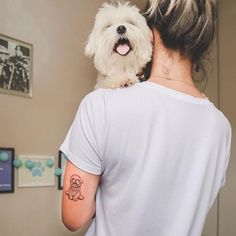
x,y
121,29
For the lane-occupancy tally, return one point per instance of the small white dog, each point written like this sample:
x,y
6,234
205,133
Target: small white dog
x,y
121,44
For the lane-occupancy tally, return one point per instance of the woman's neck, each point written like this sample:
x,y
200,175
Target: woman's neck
x,y
169,64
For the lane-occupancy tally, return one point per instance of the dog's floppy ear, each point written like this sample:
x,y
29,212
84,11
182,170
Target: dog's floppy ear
x,y
90,46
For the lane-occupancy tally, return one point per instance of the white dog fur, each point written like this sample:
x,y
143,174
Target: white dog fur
x,y
117,60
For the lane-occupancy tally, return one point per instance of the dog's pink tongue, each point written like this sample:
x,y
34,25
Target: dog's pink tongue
x,y
122,49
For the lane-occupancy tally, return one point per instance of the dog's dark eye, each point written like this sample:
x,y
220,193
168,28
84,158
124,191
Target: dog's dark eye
x,y
131,22
107,26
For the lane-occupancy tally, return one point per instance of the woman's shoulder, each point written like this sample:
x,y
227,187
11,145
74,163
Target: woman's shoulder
x,y
226,122
221,119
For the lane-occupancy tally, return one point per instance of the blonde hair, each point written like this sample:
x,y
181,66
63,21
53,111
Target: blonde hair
x,y
186,25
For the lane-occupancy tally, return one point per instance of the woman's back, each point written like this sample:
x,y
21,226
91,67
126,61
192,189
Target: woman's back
x,y
164,155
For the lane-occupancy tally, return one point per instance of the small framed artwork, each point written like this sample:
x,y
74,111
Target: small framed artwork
x,y
36,171
61,164
6,170
15,67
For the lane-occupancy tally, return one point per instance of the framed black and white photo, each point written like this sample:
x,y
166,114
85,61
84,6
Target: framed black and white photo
x,y
15,67
6,170
61,164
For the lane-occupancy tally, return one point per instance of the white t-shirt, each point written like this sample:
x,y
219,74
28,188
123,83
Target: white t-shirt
x,y
162,156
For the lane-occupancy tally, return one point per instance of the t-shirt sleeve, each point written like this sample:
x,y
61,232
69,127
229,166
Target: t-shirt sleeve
x,y
83,144
228,153
221,179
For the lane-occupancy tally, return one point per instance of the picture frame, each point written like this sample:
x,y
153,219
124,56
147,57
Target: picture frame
x,y
62,165
35,171
16,67
6,170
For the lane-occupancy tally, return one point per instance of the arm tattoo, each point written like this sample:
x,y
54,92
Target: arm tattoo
x,y
74,191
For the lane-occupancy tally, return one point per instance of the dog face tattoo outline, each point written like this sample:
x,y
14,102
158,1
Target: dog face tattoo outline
x,y
74,191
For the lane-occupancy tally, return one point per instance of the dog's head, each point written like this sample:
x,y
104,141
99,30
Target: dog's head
x,y
75,182
120,40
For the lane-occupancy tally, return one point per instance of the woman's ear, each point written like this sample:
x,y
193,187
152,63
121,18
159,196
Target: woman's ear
x,y
154,32
156,36
152,35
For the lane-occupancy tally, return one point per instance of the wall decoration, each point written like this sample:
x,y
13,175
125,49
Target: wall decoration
x,y
17,163
62,165
15,66
36,171
6,170
58,172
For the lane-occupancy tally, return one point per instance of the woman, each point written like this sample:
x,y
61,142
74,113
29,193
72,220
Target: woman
x,y
150,159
